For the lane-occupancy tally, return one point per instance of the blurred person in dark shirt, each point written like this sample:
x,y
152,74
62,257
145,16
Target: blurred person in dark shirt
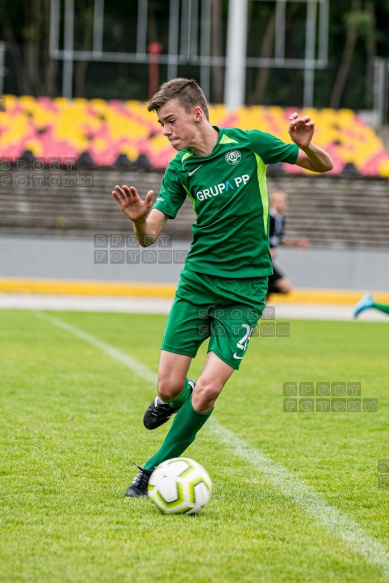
x,y
278,283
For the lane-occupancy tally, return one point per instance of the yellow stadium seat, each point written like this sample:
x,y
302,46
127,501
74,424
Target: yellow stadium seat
x,y
10,102
61,101
99,106
27,101
131,152
35,146
383,168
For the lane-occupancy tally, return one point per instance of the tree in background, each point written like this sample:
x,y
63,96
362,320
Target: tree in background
x,y
358,33
360,24
24,27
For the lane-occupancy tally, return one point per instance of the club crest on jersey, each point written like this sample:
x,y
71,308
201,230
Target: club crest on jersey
x,y
233,157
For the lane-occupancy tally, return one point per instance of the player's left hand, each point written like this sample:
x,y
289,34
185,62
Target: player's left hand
x,y
301,130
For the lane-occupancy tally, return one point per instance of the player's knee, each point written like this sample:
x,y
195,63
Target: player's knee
x,y
205,394
169,389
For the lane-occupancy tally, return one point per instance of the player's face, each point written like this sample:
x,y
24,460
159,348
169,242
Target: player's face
x,y
178,126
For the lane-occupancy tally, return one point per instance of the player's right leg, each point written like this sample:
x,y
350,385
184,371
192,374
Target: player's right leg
x,y
186,328
174,388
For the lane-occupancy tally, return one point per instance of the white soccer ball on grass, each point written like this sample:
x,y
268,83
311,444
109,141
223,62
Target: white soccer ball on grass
x,y
180,486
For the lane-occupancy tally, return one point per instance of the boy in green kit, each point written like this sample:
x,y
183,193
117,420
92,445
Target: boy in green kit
x,y
222,288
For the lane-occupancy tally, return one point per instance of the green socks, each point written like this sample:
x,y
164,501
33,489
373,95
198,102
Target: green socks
x,y
381,307
182,397
181,434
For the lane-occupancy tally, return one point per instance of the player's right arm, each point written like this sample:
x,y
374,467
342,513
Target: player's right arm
x,y
147,223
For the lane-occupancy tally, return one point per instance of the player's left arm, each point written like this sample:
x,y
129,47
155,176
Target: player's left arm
x,y
310,156
302,243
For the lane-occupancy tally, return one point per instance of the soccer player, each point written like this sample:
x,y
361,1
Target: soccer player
x,y
367,302
278,283
222,287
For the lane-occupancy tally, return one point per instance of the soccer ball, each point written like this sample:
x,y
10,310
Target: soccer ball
x,y
180,486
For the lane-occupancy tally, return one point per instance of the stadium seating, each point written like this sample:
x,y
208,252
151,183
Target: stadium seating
x,y
108,130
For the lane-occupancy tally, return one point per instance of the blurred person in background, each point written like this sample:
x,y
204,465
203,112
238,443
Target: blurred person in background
x,y
278,283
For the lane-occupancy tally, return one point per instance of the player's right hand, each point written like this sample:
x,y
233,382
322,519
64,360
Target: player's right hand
x,y
131,203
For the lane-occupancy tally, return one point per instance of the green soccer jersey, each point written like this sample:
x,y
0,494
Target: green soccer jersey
x,y
229,196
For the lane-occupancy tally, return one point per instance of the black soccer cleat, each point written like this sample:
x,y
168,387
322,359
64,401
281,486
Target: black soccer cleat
x,y
158,413
138,487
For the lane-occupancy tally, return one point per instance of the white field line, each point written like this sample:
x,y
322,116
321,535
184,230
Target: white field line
x,y
332,519
335,521
138,368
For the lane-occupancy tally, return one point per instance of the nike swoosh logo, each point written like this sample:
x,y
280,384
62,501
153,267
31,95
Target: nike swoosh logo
x,y
237,357
195,170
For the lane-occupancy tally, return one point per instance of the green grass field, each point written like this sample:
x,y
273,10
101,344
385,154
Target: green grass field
x,y
296,496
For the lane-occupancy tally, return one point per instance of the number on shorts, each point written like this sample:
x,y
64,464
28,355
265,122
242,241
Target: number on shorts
x,y
242,344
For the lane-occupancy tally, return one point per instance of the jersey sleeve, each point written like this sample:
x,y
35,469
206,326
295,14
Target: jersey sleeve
x,y
272,149
172,193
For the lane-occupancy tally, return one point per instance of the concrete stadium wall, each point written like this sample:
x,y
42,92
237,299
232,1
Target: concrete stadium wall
x,y
74,259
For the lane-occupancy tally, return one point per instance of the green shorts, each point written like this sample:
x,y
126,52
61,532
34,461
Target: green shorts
x,y
222,309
